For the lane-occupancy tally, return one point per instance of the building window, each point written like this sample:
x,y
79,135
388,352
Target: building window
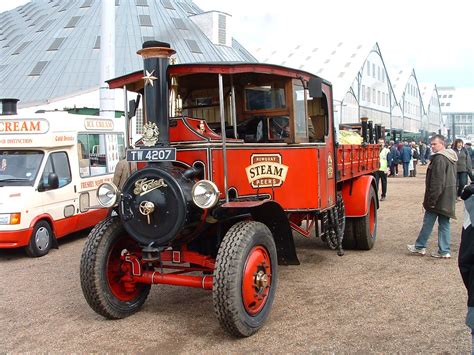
x,y
368,68
142,3
45,25
73,22
167,4
378,97
21,47
193,46
179,23
368,94
97,43
56,44
38,69
363,92
374,98
87,3
373,70
145,20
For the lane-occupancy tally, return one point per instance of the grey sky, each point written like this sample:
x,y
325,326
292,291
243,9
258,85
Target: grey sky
x,y
434,37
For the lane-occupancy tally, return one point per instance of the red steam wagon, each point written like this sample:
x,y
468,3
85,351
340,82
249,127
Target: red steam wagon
x,y
233,159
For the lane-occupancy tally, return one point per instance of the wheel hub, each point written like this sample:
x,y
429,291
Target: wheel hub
x,y
42,238
261,280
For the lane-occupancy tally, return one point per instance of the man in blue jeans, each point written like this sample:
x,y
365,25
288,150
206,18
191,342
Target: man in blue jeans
x,y
440,199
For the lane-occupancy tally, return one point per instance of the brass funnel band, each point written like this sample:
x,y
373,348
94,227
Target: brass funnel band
x,y
156,52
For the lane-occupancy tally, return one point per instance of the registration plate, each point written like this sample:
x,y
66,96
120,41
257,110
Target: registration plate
x,y
152,154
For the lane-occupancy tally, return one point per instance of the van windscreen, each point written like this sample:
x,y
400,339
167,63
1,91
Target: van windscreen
x,y
19,167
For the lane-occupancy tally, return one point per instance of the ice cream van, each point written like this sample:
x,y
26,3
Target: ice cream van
x,y
50,167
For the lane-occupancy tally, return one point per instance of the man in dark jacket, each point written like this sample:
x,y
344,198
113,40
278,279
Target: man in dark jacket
x,y
464,167
440,199
466,254
405,156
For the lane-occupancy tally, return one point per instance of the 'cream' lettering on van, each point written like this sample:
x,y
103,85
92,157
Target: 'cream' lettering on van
x,y
23,126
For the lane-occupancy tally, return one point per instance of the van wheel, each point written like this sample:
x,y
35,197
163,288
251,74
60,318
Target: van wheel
x,y
40,241
245,278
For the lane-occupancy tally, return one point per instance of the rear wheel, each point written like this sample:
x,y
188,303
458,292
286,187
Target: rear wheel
x,y
365,228
102,275
349,241
40,240
245,278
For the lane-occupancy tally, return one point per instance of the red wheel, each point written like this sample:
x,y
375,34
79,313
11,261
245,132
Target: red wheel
x,y
102,272
245,278
115,271
365,228
257,280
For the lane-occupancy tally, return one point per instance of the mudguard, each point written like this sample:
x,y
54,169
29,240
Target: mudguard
x,y
274,217
355,195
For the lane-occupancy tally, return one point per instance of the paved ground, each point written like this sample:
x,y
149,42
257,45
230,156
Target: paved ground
x,y
383,300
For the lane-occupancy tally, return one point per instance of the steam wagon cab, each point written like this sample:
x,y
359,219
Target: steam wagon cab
x,y
234,157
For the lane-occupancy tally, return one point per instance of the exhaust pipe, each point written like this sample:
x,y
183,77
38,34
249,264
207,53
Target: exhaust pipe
x,y
8,107
156,57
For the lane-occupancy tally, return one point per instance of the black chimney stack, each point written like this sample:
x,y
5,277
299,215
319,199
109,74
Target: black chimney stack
x,y
8,107
156,57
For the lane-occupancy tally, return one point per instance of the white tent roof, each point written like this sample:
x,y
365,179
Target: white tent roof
x,y
337,62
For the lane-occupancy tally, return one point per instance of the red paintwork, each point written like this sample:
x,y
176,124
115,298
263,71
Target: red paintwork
x,y
118,273
15,239
155,277
356,160
253,296
356,201
61,228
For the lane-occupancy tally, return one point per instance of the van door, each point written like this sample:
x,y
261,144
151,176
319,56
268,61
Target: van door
x,y
60,203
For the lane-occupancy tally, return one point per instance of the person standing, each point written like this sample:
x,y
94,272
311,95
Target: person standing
x,y
414,159
471,152
405,156
121,173
466,255
381,174
422,152
463,167
395,154
439,200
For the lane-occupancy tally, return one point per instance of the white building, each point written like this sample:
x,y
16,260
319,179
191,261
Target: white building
x,y
457,105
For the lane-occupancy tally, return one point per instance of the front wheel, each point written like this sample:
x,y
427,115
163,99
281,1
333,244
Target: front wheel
x,y
40,240
102,275
245,278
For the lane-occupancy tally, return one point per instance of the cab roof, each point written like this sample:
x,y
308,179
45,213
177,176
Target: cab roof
x,y
134,81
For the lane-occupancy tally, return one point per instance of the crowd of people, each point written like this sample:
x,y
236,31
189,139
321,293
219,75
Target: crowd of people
x,y
446,183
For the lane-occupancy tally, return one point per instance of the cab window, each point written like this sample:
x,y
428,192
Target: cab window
x,y
58,163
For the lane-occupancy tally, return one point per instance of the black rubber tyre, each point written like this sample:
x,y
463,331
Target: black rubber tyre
x,y
348,241
365,228
238,261
100,271
40,241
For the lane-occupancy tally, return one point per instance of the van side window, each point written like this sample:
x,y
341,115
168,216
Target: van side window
x,y
58,163
98,153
